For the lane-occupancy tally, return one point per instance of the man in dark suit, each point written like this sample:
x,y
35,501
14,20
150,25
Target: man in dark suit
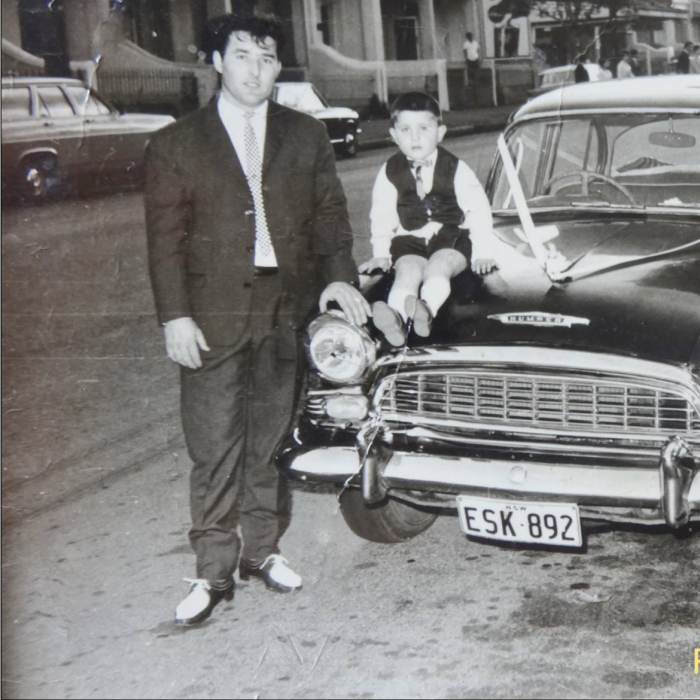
x,y
247,229
683,63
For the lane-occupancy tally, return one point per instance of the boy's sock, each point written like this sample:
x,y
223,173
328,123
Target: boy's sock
x,y
434,293
397,300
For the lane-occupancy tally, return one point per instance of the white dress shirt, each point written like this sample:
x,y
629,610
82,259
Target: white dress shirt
x,y
471,198
233,118
472,49
624,70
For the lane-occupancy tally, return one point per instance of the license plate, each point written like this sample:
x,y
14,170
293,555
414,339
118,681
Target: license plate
x,y
554,524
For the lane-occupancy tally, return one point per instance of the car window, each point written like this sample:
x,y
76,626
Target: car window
x,y
15,104
576,149
633,160
88,104
53,103
525,150
301,97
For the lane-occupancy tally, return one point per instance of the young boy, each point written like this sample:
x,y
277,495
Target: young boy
x,y
429,217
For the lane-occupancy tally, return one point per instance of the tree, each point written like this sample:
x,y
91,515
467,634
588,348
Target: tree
x,y
574,15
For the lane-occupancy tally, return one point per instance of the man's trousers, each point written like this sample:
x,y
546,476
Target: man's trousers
x,y
236,410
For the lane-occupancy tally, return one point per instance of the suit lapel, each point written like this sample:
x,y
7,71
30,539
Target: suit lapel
x,y
274,133
224,159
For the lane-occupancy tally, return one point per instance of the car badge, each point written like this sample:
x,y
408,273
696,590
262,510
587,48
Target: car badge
x,y
540,319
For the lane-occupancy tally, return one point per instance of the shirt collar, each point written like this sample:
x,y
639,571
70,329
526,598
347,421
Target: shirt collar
x,y
428,162
228,111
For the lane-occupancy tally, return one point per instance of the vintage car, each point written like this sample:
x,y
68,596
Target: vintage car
x,y
343,124
558,77
565,386
56,134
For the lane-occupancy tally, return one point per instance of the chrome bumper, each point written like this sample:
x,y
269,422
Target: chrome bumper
x,y
673,488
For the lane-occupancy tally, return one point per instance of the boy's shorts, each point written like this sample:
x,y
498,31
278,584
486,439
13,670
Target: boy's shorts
x,y
446,237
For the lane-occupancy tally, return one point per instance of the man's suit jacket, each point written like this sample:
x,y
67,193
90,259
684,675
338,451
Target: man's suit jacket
x,y
201,224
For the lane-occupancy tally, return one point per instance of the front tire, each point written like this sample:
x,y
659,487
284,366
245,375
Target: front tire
x,y
388,522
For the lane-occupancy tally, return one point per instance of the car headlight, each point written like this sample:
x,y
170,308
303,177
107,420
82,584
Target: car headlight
x,y
340,351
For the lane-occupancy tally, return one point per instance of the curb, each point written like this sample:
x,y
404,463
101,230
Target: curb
x,y
454,132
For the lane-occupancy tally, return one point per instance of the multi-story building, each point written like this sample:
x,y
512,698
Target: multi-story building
x,y
351,49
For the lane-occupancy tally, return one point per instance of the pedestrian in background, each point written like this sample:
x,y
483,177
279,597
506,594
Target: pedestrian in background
x,y
683,63
605,73
247,223
472,57
695,60
581,74
624,67
634,62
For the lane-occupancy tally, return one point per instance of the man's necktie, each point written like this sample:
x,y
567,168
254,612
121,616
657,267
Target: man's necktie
x,y
263,242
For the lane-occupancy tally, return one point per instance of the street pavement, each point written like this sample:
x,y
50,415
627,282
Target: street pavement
x,y
95,515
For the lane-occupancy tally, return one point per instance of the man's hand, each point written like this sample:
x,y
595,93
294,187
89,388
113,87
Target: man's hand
x,y
483,266
351,302
183,339
375,264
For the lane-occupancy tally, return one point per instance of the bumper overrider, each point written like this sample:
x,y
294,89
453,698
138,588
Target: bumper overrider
x,y
668,493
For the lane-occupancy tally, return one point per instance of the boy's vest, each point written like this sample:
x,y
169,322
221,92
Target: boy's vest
x,y
440,204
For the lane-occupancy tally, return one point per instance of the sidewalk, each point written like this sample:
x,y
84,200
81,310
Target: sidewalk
x,y
375,132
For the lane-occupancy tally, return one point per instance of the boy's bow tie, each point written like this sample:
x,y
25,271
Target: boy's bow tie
x,y
423,163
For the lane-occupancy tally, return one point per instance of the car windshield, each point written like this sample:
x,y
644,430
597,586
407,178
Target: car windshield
x,y
609,160
305,98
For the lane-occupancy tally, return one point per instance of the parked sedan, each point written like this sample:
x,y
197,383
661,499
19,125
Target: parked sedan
x,y
558,77
343,124
564,386
56,132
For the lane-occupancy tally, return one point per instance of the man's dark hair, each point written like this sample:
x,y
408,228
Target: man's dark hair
x,y
415,102
688,45
581,58
218,31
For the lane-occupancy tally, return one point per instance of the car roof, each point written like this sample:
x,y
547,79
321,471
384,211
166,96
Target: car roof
x,y
669,93
39,80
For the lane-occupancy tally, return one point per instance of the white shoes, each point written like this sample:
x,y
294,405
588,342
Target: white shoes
x,y
274,572
200,602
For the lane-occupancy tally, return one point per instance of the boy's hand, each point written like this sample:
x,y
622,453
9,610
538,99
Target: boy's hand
x,y
375,263
483,266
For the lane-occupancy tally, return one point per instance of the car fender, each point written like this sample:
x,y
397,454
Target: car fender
x,y
39,150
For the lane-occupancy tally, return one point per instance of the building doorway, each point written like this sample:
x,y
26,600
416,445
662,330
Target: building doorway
x,y
401,23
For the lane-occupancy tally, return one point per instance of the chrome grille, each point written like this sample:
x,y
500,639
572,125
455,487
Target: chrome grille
x,y
573,403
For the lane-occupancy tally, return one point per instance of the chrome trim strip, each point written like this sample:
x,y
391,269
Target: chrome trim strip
x,y
505,427
564,113
623,486
419,431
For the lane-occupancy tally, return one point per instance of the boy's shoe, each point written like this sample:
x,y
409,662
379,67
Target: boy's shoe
x,y
273,572
422,317
200,602
389,322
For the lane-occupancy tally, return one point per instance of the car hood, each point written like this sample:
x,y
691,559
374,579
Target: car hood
x,y
644,308
336,113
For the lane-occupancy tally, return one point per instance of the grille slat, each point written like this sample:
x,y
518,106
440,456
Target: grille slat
x,y
540,401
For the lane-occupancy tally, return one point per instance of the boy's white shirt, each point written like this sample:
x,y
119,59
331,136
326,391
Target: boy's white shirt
x,y
471,198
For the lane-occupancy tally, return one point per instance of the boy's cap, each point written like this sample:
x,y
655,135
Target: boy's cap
x,y
415,102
